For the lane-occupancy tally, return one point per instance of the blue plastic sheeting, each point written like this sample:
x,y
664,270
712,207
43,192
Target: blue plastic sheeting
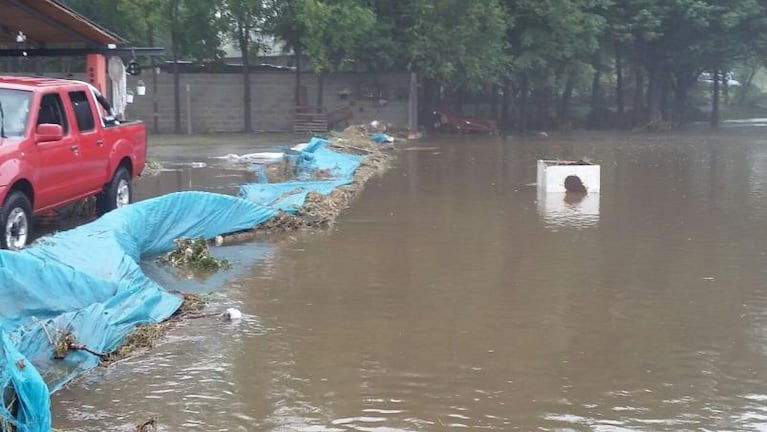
x,y
88,282
289,196
381,138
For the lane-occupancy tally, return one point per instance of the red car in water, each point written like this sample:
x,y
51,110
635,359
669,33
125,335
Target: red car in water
x,y
452,122
60,143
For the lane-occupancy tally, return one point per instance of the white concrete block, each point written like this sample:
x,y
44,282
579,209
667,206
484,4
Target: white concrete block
x,y
552,174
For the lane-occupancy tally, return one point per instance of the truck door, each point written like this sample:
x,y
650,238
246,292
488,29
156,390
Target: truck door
x,y
58,160
92,172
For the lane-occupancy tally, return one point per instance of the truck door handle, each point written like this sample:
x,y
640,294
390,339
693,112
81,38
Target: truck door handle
x,y
99,142
74,147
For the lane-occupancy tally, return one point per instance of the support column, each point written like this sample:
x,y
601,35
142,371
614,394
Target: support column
x,y
96,68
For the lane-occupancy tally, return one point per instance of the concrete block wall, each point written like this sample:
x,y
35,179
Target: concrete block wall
x,y
215,100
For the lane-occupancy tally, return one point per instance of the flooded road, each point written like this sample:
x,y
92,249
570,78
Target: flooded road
x,y
452,296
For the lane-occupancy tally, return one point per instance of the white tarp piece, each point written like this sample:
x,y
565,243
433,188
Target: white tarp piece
x,y
116,71
260,157
263,157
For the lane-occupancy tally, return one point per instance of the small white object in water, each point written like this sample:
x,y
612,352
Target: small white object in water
x,y
232,314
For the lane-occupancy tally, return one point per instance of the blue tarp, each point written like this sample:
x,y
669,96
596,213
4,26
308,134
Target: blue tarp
x,y
88,281
338,167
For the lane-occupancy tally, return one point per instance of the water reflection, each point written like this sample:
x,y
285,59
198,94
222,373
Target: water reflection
x,y
568,209
240,256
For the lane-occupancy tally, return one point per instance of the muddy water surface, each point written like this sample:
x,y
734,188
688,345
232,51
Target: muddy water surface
x,y
452,296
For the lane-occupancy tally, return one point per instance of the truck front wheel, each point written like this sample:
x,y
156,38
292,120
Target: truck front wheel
x,y
117,193
16,220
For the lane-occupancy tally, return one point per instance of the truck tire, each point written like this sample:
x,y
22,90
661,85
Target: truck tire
x,y
16,221
117,193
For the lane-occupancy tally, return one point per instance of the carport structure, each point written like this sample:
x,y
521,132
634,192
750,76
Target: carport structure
x,y
46,28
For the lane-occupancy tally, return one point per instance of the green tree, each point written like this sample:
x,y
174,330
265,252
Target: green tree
x,y
283,23
150,24
547,41
195,32
333,32
458,44
112,15
244,19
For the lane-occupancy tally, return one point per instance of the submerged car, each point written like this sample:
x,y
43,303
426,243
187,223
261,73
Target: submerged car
x,y
451,122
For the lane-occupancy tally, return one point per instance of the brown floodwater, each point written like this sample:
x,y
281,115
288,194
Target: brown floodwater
x,y
452,296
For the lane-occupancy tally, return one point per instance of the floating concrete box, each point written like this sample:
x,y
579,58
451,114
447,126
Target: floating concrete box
x,y
579,175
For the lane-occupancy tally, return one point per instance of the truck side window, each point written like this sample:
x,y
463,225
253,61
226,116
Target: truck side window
x,y
52,111
83,112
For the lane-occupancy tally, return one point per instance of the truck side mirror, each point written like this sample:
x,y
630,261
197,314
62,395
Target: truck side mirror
x,y
47,132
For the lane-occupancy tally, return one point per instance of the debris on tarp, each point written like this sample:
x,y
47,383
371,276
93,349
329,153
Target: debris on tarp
x,y
194,254
381,138
326,176
146,335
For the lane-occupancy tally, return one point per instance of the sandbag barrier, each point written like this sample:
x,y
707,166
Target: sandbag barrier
x,y
86,283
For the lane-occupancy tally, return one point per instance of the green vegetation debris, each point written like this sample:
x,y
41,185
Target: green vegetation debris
x,y
194,254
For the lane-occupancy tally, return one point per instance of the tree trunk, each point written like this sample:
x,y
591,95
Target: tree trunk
x,y
320,89
595,116
653,97
298,50
153,61
638,105
725,89
505,104
176,78
664,96
619,80
458,95
244,41
715,102
682,87
747,85
596,87
494,101
426,106
412,118
564,105
523,108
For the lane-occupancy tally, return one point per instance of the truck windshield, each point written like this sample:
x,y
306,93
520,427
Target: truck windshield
x,y
15,105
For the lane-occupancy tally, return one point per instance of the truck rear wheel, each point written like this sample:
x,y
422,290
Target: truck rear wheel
x,y
16,221
117,193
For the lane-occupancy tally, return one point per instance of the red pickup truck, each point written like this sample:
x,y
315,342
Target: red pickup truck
x,y
60,143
